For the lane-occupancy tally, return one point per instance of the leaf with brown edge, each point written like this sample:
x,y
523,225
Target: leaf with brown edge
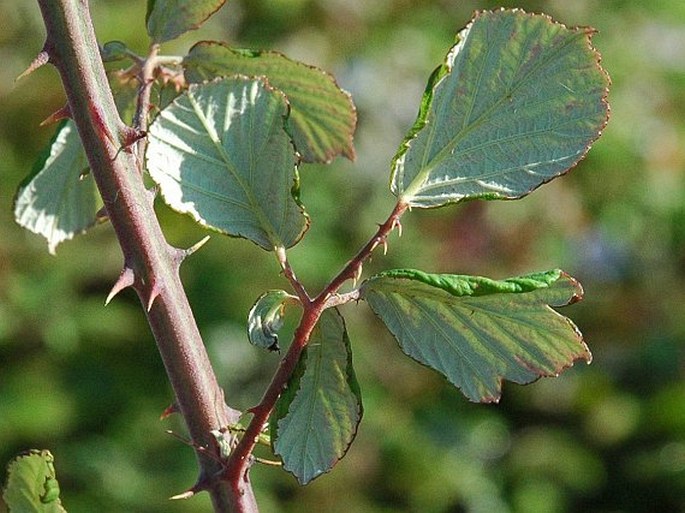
x,y
322,118
517,103
478,332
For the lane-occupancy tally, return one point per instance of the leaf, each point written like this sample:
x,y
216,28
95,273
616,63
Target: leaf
x,y
32,485
113,51
322,118
59,198
476,331
316,417
518,102
167,19
266,319
219,153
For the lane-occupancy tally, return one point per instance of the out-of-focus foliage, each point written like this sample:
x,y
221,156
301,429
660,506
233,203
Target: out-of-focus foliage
x,y
86,382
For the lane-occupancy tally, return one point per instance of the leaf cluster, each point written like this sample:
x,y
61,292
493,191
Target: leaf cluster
x,y
517,102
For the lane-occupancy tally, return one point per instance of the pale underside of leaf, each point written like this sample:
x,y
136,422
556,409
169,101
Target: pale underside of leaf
x,y
323,117
477,332
60,199
518,102
220,153
316,418
167,19
266,319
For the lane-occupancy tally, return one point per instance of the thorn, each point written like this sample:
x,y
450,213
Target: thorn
x,y
60,114
385,246
269,462
182,496
192,249
169,411
357,276
99,120
155,291
101,215
126,279
41,59
396,224
201,484
179,255
130,135
179,437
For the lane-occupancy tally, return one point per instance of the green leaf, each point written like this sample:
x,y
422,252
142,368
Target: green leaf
x,y
167,19
113,51
59,199
322,118
219,153
476,331
266,319
316,417
518,102
32,485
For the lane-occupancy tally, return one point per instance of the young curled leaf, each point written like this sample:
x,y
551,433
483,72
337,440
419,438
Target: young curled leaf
x,y
113,51
266,319
518,102
476,331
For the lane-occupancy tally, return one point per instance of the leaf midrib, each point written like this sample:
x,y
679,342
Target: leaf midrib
x,y
272,236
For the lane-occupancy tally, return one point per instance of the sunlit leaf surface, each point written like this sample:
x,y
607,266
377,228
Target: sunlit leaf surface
x,y
59,199
517,103
219,152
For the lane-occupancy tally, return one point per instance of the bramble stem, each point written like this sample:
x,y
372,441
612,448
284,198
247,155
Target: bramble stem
x,y
150,263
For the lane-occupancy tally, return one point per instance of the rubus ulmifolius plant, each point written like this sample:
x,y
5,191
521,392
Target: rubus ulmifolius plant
x,y
517,102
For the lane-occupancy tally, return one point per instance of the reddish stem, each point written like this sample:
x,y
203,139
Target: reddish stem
x,y
150,263
236,470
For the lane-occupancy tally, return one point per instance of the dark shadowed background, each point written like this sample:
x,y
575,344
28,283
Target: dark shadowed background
x,y
86,382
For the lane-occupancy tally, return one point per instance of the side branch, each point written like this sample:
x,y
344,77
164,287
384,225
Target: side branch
x,y
241,458
353,268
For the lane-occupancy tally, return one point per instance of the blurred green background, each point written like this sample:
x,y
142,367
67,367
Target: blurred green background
x,y
86,382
